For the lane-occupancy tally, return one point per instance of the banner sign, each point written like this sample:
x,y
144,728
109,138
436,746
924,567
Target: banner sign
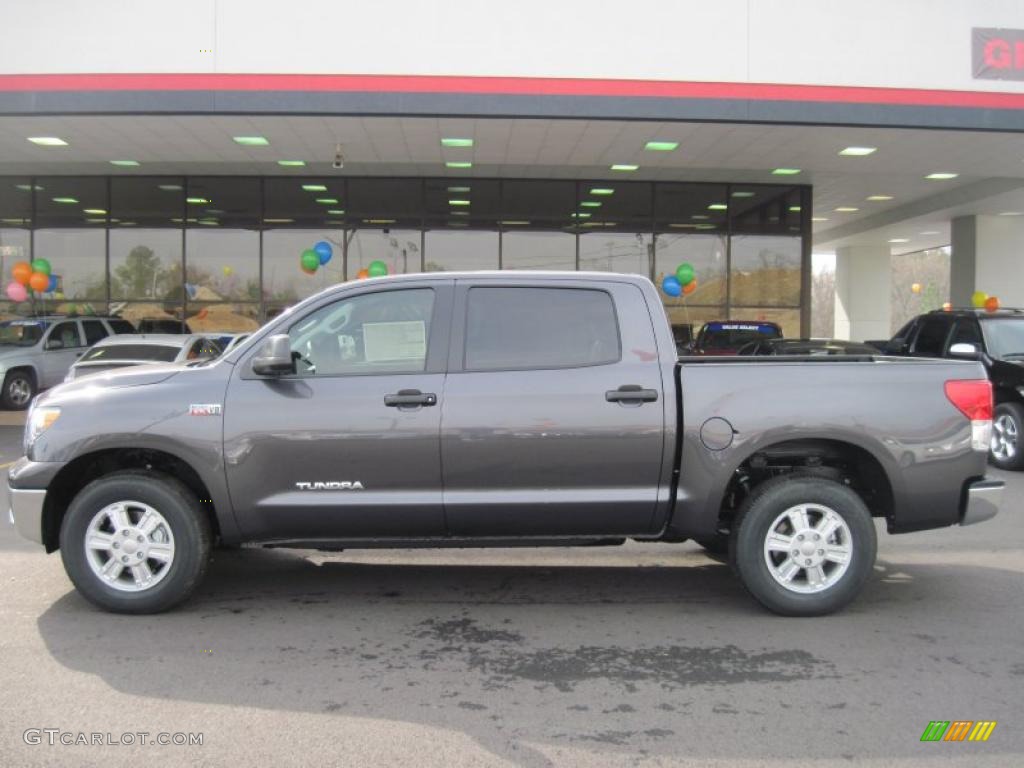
x,y
997,54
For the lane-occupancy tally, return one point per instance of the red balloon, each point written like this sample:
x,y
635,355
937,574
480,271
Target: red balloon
x,y
362,274
22,272
39,282
991,303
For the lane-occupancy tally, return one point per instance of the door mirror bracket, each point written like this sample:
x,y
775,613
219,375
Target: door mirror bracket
x,y
274,357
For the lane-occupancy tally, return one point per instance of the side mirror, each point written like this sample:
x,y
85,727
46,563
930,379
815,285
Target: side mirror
x,y
275,357
54,343
964,350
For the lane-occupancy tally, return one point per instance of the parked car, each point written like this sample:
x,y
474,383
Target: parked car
x,y
726,337
806,347
141,349
36,353
228,341
994,338
568,420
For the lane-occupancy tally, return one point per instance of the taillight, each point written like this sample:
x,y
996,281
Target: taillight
x,y
973,398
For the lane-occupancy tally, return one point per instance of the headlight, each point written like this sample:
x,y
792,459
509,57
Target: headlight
x,y
39,420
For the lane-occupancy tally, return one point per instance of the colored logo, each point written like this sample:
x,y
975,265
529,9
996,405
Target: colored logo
x,y
958,730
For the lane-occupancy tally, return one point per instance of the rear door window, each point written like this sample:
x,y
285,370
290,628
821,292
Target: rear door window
x,y
967,332
510,328
931,339
94,331
121,326
67,333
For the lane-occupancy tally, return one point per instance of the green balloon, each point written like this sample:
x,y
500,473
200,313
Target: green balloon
x,y
41,265
310,260
684,273
377,268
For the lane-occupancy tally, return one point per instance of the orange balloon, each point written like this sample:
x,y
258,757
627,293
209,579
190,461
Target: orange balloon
x,y
22,272
992,303
915,288
947,307
362,274
39,282
690,287
203,313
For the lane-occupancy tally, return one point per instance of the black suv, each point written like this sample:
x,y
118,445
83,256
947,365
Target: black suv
x,y
995,338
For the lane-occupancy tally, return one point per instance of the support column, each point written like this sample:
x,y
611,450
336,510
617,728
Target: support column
x,y
987,255
863,304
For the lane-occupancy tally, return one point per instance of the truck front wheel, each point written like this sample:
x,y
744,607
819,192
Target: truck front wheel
x,y
135,542
19,389
803,546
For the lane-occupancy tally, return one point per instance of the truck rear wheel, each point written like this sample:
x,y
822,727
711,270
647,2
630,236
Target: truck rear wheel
x,y
1007,450
135,542
803,546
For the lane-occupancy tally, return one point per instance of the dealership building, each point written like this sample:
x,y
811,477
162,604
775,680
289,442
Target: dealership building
x,y
178,160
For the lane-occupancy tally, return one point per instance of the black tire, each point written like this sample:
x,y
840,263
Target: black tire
x,y
188,524
1012,415
754,521
19,389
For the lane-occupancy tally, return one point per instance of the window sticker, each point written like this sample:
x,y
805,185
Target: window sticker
x,y
386,342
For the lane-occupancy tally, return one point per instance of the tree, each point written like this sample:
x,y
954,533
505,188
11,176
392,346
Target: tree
x,y
927,269
139,273
823,304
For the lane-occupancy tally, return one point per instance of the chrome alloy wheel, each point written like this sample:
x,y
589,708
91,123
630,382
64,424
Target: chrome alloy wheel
x,y
1005,438
19,391
808,548
129,546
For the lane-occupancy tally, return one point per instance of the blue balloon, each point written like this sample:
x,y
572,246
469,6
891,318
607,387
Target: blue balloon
x,y
324,251
53,284
672,286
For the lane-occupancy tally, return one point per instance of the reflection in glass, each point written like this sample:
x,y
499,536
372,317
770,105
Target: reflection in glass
x,y
145,263
789,319
226,318
705,253
398,248
538,250
284,281
765,271
451,251
616,252
78,261
222,264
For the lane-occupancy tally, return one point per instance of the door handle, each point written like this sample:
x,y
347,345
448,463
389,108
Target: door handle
x,y
631,393
409,397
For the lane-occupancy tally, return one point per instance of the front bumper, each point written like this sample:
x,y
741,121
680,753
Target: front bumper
x,y
27,512
982,501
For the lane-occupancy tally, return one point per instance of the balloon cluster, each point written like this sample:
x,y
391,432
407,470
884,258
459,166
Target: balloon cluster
x,y
377,268
313,258
982,300
35,276
684,281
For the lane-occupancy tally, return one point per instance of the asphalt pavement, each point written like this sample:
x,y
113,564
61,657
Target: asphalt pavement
x,y
623,656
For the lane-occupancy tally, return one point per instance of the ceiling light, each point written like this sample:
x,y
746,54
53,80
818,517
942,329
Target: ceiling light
x,y
47,141
291,163
785,172
336,212
794,208
580,215
602,191
846,209
674,225
327,200
13,221
818,218
742,193
27,187
197,200
590,204
1011,213
699,216
314,187
705,226
458,213
216,211
273,221
930,232
205,222
251,141
625,167
96,221
456,142
125,163
858,151
718,207
94,211
941,176
900,240
378,221
458,164
458,189
878,198
458,202
661,146
514,223
69,200
170,187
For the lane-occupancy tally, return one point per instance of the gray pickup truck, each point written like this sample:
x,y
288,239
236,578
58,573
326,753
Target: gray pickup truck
x,y
499,409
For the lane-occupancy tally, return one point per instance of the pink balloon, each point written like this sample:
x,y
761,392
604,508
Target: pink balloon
x,y
16,291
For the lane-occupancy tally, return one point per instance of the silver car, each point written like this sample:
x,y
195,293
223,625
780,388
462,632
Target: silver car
x,y
141,349
36,353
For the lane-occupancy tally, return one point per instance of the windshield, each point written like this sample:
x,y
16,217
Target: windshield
x,y
735,335
155,352
1005,336
21,333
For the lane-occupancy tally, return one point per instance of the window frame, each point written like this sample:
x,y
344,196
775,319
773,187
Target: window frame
x,y
460,345
936,318
960,322
53,330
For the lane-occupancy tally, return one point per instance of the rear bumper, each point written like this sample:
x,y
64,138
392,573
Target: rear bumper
x,y
982,501
27,512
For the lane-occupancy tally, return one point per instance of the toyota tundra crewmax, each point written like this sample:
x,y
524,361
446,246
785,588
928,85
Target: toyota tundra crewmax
x,y
499,409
